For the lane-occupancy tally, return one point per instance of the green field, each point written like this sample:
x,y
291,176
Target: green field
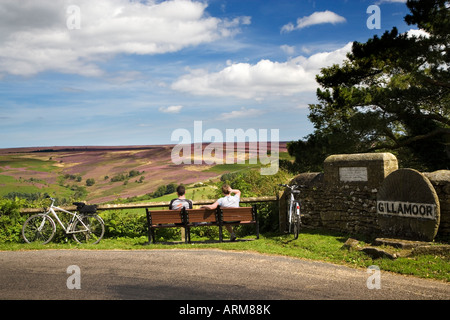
x,y
26,175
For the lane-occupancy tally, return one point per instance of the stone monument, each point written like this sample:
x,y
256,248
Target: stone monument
x,y
408,206
365,169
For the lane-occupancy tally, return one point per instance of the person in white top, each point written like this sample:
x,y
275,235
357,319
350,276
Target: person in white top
x,y
227,201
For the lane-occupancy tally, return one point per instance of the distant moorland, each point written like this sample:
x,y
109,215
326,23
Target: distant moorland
x,y
104,174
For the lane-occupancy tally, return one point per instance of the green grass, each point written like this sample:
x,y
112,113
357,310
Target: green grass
x,y
195,194
28,162
285,156
234,167
10,184
315,245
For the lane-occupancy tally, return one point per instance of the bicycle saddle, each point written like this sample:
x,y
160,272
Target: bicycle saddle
x,y
79,204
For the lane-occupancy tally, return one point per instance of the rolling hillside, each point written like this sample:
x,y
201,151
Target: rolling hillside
x,y
103,174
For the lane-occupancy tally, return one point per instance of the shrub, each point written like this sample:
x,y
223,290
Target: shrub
x,y
11,220
119,223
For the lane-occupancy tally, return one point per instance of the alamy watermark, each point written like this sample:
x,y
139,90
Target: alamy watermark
x,y
374,20
374,280
215,152
73,21
74,280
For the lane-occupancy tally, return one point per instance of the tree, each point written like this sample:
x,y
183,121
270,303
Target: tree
x,y
391,94
171,188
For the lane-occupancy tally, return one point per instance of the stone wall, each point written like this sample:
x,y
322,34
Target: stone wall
x,y
441,183
346,199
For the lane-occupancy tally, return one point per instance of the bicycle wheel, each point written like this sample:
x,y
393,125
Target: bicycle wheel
x,y
38,228
296,225
290,216
95,232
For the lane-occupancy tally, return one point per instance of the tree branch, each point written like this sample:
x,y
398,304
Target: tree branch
x,y
399,143
437,83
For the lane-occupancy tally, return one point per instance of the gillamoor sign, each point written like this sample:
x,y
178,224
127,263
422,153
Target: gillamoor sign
x,y
407,209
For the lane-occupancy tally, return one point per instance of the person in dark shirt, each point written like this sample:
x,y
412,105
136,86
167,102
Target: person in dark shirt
x,y
181,201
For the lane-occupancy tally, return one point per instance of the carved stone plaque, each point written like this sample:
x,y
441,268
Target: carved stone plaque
x,y
353,174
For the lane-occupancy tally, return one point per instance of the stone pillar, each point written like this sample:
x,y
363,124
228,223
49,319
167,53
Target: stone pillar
x,y
360,169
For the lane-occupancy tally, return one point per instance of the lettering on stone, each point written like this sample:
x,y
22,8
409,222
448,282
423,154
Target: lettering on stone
x,y
407,209
350,174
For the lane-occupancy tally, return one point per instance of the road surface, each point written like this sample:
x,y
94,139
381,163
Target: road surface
x,y
177,274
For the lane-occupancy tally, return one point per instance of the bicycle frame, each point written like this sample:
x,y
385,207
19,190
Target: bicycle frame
x,y
68,229
294,208
293,204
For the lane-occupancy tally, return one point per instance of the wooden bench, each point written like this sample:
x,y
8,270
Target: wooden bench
x,y
236,216
163,219
200,218
188,218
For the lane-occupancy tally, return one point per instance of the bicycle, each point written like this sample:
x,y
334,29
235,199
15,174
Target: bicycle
x,y
294,216
85,226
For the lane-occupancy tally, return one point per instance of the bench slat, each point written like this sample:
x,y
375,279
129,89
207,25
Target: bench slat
x,y
166,217
237,214
201,215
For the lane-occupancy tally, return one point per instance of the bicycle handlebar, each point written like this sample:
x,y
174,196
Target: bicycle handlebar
x,y
292,187
53,199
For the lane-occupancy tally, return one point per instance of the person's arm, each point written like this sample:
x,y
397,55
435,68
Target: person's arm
x,y
236,192
211,206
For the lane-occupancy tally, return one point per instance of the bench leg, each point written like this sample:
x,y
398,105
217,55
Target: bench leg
x,y
153,235
257,230
187,235
220,233
150,235
149,223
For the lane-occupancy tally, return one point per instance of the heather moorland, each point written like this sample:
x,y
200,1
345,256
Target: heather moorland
x,y
106,174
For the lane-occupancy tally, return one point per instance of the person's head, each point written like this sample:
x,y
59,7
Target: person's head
x,y
226,189
181,190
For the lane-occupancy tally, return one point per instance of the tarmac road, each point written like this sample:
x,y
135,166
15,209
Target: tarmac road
x,y
176,274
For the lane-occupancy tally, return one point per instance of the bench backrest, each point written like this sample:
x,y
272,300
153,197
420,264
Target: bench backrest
x,y
238,214
201,215
165,216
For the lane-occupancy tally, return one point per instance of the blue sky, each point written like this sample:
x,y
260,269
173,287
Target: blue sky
x,y
119,72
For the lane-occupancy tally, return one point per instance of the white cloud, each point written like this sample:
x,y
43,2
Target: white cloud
x,y
319,17
417,33
243,113
171,109
290,50
263,79
35,36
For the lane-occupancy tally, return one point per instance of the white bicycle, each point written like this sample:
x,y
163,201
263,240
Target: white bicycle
x,y
293,210
85,226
